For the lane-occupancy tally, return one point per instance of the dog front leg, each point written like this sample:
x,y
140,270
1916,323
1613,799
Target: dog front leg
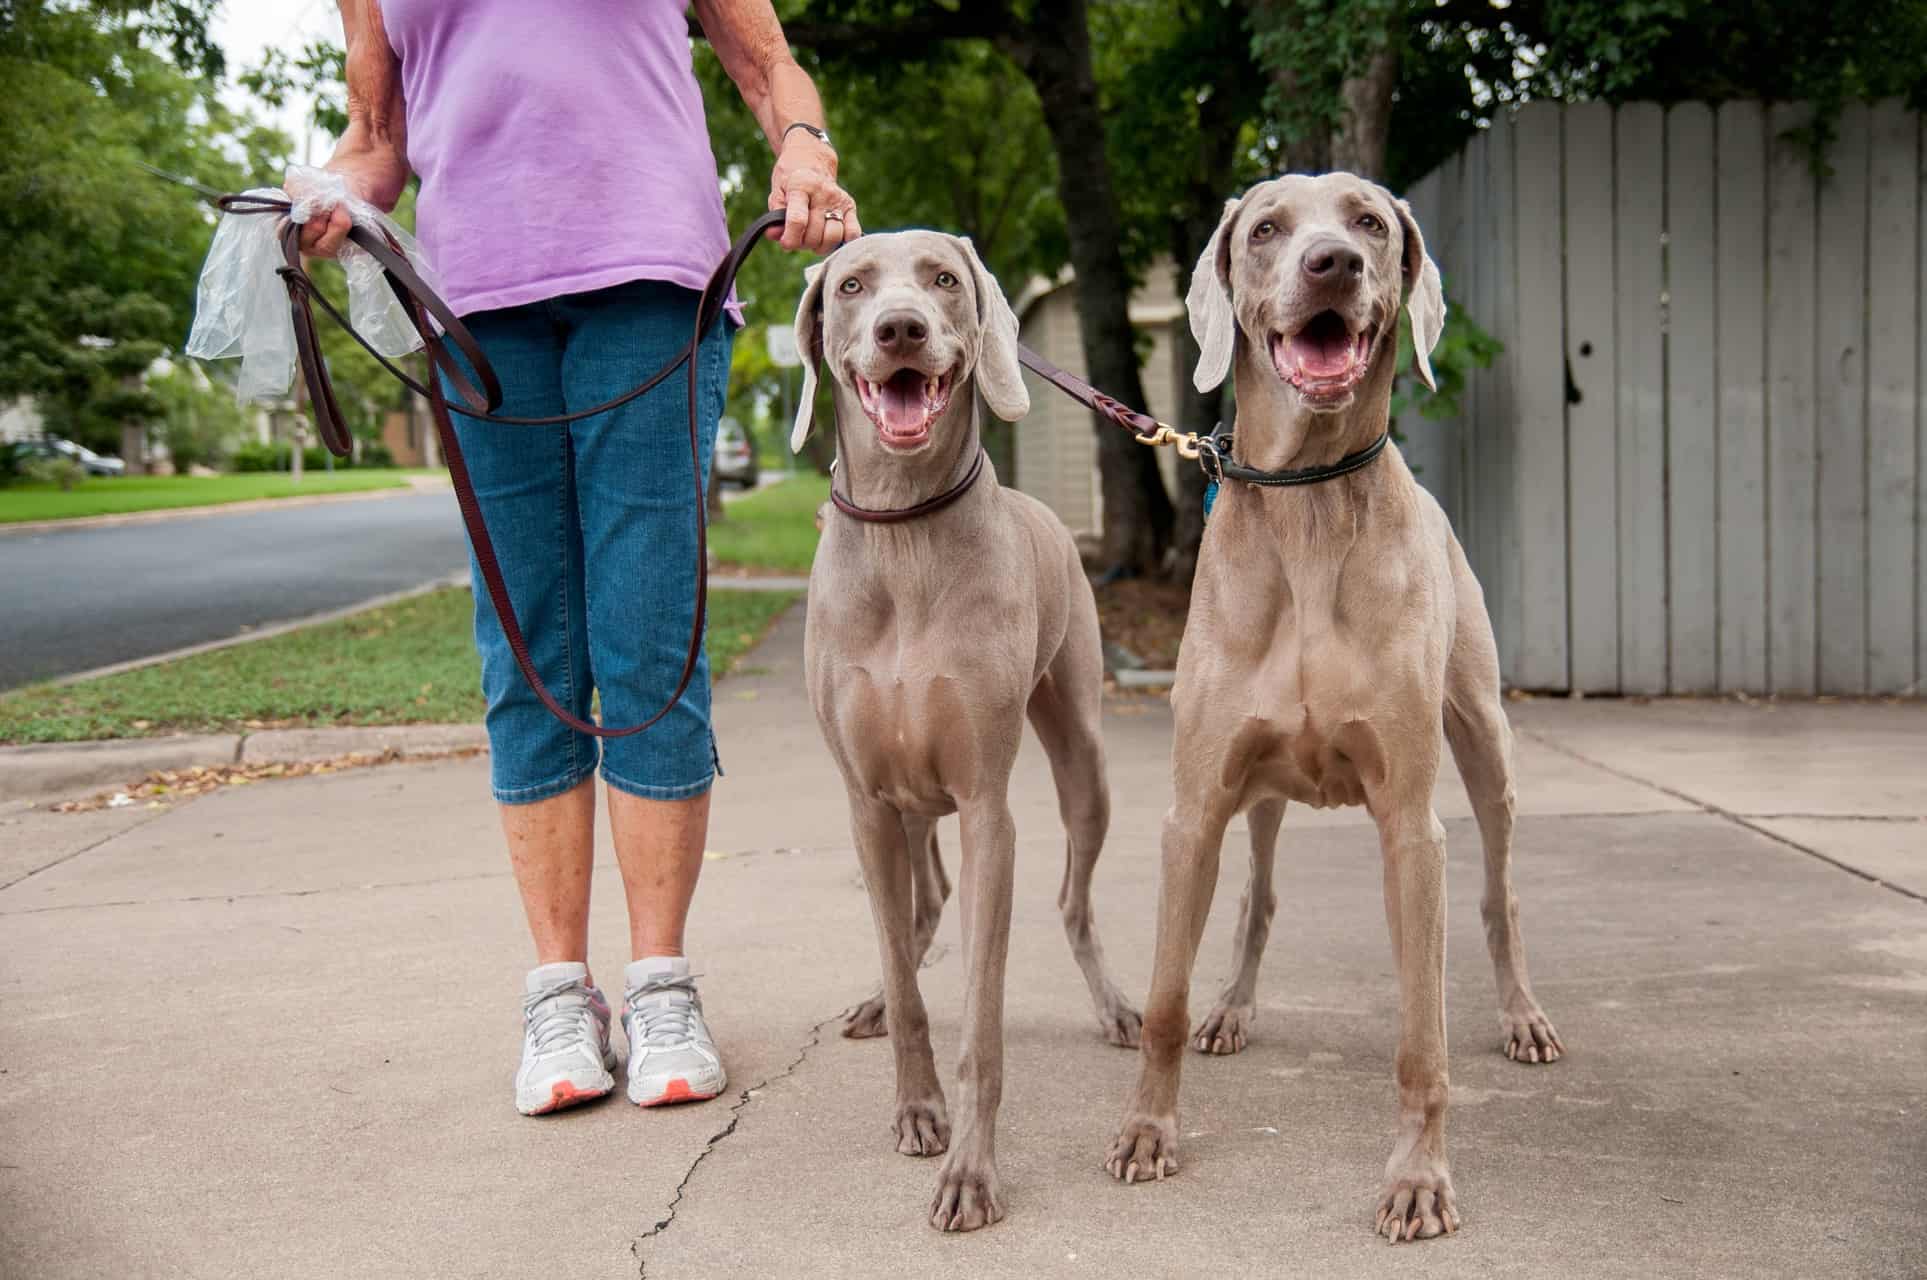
x,y
968,1193
1417,1198
1147,1142
922,1125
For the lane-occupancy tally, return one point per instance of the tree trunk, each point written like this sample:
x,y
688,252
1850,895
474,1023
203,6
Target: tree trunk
x,y
1219,123
1358,143
1056,55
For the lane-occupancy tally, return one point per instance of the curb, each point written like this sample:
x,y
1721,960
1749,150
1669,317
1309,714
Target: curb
x,y
408,489
49,771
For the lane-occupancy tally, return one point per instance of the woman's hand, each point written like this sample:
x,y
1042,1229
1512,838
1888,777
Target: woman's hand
x,y
374,176
821,215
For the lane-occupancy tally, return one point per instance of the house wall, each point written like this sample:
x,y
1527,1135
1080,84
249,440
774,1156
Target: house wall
x,y
1056,451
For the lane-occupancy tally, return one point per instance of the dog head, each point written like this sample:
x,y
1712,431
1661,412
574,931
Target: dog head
x,y
908,323
1309,272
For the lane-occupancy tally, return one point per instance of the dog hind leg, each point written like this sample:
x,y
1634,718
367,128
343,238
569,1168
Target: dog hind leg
x,y
1227,1028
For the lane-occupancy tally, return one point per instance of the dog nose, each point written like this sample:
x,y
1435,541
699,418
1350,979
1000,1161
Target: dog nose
x,y
1332,262
900,331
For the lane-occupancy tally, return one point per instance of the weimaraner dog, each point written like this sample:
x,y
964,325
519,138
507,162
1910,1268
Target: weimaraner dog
x,y
1335,629
929,642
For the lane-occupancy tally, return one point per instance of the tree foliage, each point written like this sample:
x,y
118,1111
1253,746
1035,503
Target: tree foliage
x,y
98,277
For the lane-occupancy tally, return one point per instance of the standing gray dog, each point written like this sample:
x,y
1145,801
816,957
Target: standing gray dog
x,y
930,640
1335,630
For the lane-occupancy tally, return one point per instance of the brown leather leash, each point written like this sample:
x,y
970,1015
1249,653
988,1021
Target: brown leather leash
x,y
429,313
480,403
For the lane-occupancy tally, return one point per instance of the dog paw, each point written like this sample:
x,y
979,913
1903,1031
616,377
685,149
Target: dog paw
x,y
1122,1025
866,1020
1417,1201
968,1195
1145,1148
923,1128
1226,1029
1529,1036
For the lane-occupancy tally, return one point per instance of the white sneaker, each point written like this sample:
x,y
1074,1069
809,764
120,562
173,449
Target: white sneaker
x,y
566,1056
671,1055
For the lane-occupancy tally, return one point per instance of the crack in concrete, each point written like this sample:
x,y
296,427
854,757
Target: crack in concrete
x,y
1739,820
735,1118
106,839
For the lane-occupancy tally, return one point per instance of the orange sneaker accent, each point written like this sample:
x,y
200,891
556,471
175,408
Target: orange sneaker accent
x,y
677,1090
565,1094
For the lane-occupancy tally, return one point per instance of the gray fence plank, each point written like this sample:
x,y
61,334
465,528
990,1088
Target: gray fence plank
x,y
1537,364
1692,446
1501,426
1791,338
1476,256
1920,448
1741,195
1591,451
1443,239
1893,395
1639,393
1842,455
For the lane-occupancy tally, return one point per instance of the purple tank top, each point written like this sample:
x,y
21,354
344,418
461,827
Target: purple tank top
x,y
561,146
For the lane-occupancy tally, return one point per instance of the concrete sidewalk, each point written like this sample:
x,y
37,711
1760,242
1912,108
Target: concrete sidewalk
x,y
271,1032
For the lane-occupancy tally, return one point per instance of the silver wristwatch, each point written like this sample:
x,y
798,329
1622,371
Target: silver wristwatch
x,y
821,135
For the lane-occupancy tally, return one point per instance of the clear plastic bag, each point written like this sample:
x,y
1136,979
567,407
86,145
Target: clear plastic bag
x,y
241,305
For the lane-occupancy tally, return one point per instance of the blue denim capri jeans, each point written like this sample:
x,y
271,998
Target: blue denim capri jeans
x,y
593,525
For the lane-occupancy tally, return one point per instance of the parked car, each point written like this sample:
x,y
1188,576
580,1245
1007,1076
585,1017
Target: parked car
x,y
54,447
735,461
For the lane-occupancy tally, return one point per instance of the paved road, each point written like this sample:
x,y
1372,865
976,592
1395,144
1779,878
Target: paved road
x,y
77,599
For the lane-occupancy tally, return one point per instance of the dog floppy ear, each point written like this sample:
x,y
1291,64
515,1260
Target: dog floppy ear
x,y
809,326
1424,295
1209,304
999,379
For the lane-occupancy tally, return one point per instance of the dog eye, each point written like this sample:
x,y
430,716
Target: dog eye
x,y
1371,222
1264,230
945,280
851,285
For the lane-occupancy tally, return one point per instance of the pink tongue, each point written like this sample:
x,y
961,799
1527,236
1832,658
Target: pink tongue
x,y
902,402
1325,354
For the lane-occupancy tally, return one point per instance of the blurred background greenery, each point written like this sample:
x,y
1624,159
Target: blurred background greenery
x,y
1096,135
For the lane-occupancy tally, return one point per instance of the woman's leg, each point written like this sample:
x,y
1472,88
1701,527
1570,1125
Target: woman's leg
x,y
639,502
638,508
659,846
540,769
552,850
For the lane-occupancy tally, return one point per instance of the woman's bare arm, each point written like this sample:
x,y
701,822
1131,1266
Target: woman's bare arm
x,y
372,154
749,41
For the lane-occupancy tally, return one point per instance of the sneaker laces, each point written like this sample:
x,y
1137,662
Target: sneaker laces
x,y
665,1011
553,1017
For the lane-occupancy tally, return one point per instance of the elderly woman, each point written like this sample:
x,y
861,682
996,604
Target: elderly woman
x,y
569,202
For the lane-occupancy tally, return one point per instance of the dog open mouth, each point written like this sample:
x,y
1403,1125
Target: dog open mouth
x,y
1325,360
904,405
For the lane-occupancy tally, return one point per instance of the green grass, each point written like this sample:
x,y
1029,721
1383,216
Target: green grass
x,y
773,528
119,495
408,663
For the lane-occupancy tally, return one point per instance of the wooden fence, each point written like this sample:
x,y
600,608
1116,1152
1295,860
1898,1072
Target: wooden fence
x,y
1697,465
